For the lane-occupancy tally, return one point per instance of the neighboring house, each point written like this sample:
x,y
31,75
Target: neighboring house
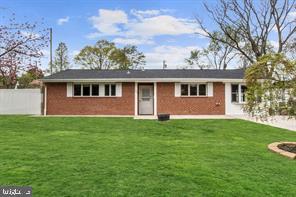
x,y
144,92
36,83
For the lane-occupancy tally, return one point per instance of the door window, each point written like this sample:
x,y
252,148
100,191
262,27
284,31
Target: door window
x,y
146,92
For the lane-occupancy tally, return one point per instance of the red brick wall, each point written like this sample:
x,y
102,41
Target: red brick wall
x,y
59,104
168,103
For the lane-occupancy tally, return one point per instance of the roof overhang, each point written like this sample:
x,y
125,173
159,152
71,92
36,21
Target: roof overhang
x,y
143,80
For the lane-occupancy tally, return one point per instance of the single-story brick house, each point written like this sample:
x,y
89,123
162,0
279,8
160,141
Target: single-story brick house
x,y
144,92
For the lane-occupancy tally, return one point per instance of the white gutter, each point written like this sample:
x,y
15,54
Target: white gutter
x,y
145,80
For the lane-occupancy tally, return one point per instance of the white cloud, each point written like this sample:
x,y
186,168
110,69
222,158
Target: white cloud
x,y
148,13
93,35
30,34
162,25
132,41
144,13
45,53
275,44
292,15
147,24
62,21
74,53
108,20
173,55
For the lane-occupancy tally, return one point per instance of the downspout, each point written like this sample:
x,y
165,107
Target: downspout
x,y
45,100
136,99
155,99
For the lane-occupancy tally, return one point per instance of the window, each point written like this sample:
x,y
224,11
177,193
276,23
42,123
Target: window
x,y
77,90
238,93
202,90
113,90
110,90
234,93
243,93
184,89
86,89
95,89
107,90
82,89
146,92
193,89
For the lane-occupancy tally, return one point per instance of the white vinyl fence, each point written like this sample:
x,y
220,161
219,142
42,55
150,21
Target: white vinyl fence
x,y
20,101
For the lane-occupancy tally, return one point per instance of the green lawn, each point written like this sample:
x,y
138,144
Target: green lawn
x,y
126,157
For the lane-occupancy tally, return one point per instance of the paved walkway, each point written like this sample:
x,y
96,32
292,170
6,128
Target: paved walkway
x,y
278,121
189,117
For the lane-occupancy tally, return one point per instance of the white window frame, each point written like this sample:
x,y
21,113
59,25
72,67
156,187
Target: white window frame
x,y
92,88
73,90
239,93
197,87
101,94
110,84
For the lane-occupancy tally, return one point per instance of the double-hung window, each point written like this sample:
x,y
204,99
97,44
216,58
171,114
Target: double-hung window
x,y
95,89
193,89
110,90
184,89
238,93
77,89
86,90
82,89
202,90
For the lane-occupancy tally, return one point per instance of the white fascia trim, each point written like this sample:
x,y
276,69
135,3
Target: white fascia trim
x,y
182,80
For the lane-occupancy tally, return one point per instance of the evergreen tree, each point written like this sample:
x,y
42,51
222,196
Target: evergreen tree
x,y
61,61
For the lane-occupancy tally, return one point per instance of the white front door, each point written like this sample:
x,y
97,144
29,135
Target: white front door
x,y
145,99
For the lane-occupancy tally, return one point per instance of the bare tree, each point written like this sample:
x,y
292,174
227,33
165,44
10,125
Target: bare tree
x,y
216,55
219,54
20,45
197,59
247,25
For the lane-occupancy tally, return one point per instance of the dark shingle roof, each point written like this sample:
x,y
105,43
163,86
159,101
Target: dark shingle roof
x,y
148,73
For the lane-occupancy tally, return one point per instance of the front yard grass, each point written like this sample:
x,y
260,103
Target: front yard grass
x,y
125,157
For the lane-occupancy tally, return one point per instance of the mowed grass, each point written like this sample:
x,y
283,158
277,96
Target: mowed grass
x,y
125,157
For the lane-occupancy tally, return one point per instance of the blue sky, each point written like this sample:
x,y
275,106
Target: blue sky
x,y
163,30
